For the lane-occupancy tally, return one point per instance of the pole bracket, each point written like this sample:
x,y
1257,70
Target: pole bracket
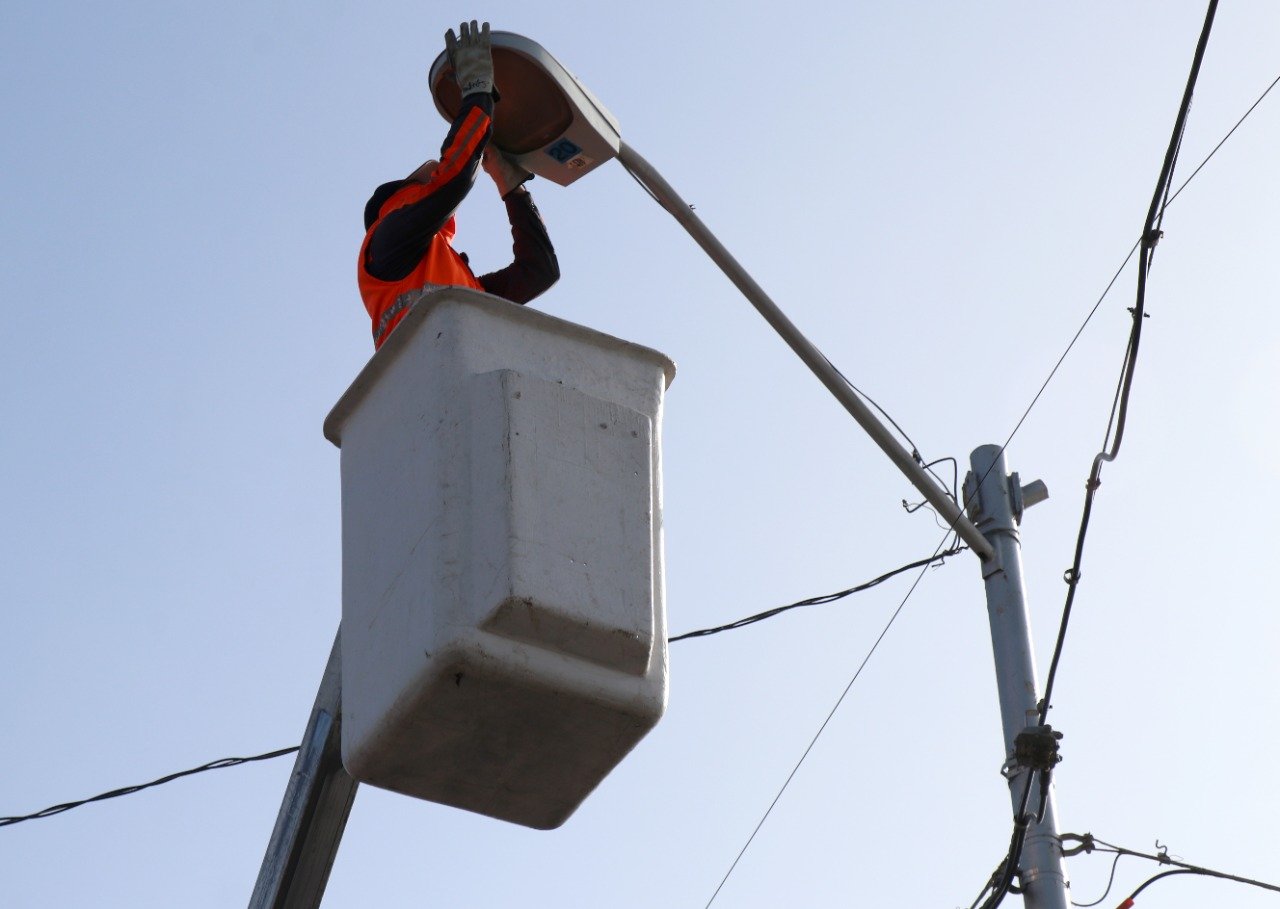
x,y
992,565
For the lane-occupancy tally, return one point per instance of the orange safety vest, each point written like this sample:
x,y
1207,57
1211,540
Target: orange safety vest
x,y
389,301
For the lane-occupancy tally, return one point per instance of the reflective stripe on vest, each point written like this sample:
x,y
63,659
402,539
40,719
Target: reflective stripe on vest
x,y
403,304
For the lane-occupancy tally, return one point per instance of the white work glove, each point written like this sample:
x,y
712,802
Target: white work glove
x,y
472,59
507,174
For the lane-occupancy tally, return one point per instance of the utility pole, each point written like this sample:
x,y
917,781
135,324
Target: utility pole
x,y
997,500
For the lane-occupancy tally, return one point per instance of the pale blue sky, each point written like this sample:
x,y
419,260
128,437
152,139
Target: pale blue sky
x,y
936,193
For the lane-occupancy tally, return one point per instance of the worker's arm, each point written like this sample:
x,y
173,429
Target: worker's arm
x,y
401,238
535,267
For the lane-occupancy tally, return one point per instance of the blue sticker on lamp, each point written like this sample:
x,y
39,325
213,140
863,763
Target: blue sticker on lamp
x,y
563,150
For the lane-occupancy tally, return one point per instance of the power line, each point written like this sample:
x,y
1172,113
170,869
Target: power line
x,y
1111,879
1115,277
937,552
936,559
129,790
1203,872
939,556
1026,413
840,700
1089,843
915,449
1223,141
1150,236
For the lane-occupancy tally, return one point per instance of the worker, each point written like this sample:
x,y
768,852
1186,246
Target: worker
x,y
409,223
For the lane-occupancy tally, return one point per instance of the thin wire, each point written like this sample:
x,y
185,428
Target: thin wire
x,y
1195,869
937,558
232,762
1222,142
1110,882
1026,413
1018,426
840,700
1151,880
1134,248
915,449
884,413
955,473
1074,338
1169,199
129,790
858,673
1150,235
914,584
874,646
1164,859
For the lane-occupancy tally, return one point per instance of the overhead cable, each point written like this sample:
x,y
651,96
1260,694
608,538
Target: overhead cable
x,y
1111,879
1133,249
129,790
1222,141
1089,843
1111,445
1150,237
936,559
822,728
915,449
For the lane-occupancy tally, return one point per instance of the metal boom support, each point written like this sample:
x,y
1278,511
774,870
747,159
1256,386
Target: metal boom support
x,y
821,367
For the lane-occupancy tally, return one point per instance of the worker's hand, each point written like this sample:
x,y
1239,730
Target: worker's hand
x,y
472,59
507,174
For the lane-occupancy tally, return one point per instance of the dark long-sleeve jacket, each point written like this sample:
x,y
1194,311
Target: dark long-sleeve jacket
x,y
410,226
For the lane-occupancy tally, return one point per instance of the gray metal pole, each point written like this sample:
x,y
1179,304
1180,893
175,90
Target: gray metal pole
x,y
669,199
996,501
314,812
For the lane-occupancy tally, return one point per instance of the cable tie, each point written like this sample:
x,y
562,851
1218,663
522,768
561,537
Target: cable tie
x,y
1151,238
1071,576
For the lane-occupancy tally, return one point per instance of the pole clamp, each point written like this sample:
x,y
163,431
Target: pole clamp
x,y
1036,748
1086,842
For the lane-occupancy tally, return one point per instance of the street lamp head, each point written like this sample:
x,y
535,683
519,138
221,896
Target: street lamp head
x,y
547,120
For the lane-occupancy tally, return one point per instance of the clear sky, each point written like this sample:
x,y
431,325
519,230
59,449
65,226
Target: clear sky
x,y
937,193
